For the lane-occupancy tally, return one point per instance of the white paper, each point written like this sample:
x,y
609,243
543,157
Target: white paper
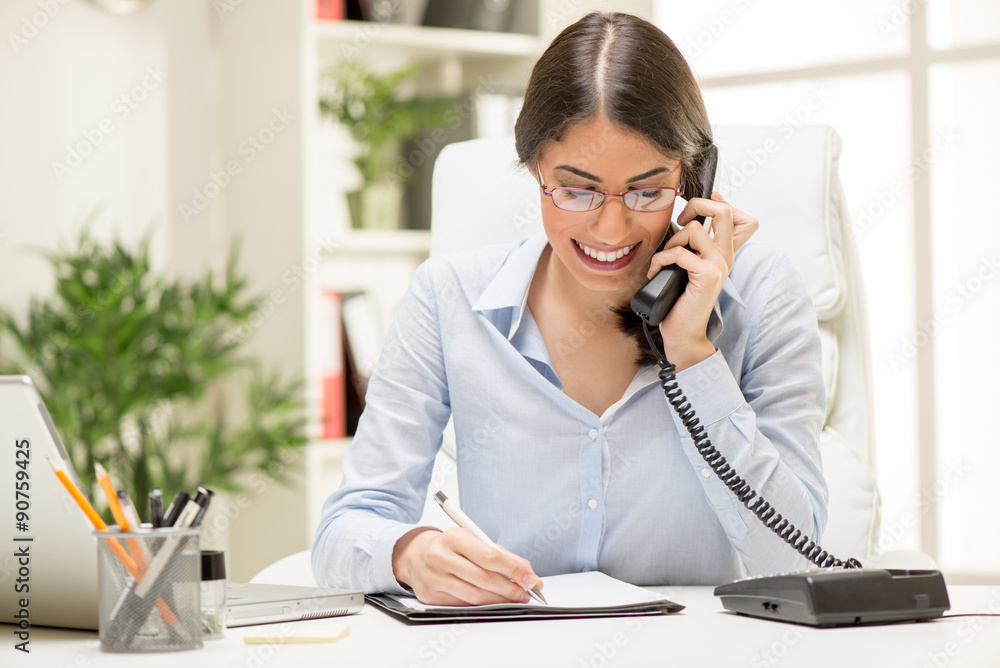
x,y
579,591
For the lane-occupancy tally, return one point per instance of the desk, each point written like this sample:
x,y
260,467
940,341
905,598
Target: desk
x,y
702,635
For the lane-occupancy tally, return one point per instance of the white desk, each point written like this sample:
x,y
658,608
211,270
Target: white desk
x,y
702,635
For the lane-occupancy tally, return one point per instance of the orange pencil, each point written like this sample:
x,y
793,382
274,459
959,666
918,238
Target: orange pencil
x,y
95,519
92,515
134,544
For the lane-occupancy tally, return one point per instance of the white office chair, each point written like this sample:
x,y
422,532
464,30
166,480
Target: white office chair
x,y
791,185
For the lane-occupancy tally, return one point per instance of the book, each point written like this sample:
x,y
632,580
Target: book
x,y
330,10
331,366
591,594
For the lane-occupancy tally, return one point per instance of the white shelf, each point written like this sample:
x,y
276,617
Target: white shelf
x,y
385,242
335,39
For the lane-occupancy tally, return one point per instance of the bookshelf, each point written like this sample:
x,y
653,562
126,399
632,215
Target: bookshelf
x,y
272,53
454,62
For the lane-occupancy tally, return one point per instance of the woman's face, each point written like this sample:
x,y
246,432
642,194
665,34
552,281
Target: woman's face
x,y
597,156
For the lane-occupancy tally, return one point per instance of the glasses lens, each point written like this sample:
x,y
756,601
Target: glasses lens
x,y
573,199
650,199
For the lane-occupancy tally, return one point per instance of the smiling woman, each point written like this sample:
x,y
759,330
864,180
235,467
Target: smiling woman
x,y
612,128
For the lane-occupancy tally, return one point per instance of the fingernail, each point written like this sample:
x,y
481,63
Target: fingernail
x,y
528,579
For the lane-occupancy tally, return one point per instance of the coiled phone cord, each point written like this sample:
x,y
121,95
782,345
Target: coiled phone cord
x,y
771,518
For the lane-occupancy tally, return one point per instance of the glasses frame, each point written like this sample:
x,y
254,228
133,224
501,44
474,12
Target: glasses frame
x,y
678,191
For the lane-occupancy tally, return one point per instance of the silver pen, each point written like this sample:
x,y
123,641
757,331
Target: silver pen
x,y
464,521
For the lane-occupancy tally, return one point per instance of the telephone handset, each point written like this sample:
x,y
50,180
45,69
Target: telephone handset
x,y
825,598
656,298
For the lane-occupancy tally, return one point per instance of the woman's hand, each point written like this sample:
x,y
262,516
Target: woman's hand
x,y
708,264
456,568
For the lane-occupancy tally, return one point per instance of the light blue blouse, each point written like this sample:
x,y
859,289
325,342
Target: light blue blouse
x,y
625,492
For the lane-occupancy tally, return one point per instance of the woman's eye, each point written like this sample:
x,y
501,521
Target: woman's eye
x,y
651,194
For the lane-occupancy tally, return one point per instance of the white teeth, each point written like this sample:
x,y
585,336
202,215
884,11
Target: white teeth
x,y
603,256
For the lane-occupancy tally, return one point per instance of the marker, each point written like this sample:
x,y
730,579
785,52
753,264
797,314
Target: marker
x,y
202,498
156,507
464,521
175,509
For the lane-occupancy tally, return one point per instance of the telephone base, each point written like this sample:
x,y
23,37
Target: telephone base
x,y
840,597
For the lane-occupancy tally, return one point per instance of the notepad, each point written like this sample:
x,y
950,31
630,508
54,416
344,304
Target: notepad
x,y
591,594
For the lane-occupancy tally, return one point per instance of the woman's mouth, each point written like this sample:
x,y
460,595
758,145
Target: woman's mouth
x,y
605,260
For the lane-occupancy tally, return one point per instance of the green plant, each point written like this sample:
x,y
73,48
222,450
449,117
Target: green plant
x,y
131,365
379,119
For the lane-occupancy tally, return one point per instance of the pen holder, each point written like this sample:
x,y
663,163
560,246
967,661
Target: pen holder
x,y
149,590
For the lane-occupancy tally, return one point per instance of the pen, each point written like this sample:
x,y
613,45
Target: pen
x,y
464,521
185,519
156,507
175,509
115,546
202,498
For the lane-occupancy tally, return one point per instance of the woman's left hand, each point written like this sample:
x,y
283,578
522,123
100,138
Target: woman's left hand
x,y
708,263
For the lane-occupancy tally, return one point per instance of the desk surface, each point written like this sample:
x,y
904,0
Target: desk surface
x,y
702,635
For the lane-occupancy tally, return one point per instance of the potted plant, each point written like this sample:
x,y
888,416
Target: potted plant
x,y
131,364
380,119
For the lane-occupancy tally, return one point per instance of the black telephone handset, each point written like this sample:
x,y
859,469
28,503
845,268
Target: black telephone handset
x,y
818,598
656,298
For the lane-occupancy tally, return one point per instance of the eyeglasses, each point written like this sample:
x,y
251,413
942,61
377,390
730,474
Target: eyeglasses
x,y
646,200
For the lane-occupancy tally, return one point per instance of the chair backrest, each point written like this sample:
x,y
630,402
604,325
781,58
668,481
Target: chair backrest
x,y
790,183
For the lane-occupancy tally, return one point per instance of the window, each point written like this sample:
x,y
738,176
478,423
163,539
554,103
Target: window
x,y
912,88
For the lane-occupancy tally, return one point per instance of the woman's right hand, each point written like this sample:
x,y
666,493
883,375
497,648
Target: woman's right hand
x,y
456,568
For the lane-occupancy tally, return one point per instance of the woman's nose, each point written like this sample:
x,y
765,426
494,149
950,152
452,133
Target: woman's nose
x,y
611,225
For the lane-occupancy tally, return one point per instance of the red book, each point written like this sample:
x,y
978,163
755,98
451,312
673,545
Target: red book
x,y
331,368
330,10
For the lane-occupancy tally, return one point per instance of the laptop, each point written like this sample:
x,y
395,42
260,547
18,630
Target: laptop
x,y
48,552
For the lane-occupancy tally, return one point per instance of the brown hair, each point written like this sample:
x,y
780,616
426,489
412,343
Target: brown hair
x,y
625,69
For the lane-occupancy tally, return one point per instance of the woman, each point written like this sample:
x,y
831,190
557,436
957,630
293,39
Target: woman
x,y
568,453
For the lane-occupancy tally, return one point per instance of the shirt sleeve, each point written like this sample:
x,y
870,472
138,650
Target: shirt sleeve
x,y
767,424
388,465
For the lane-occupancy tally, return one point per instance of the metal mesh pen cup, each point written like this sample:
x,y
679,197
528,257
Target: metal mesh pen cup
x,y
149,590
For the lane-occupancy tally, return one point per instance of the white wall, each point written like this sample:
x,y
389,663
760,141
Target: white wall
x,y
136,108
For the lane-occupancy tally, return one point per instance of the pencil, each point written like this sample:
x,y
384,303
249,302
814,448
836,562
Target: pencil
x,y
134,544
104,480
131,517
92,515
115,546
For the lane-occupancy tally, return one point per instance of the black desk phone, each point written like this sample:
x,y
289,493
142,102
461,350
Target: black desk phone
x,y
839,593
